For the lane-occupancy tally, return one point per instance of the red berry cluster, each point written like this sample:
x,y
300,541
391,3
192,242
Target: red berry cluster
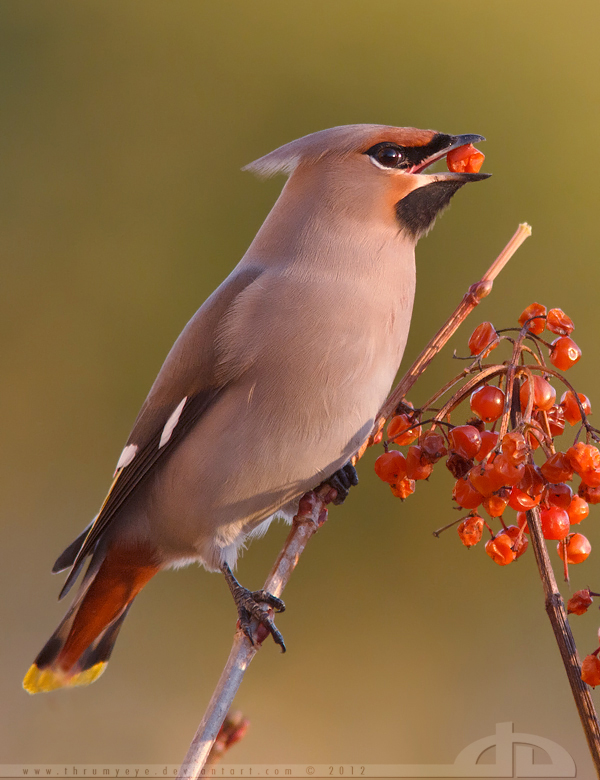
x,y
492,456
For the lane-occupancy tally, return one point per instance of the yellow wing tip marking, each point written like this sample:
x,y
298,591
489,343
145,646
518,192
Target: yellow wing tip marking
x,y
44,680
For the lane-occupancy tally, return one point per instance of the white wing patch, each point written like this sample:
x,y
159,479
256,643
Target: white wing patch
x,y
171,423
127,456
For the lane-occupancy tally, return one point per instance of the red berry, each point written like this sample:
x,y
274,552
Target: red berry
x,y
489,439
404,488
506,472
556,420
483,339
589,494
485,478
470,530
580,602
544,395
559,495
558,322
417,466
433,446
533,481
391,466
397,430
590,670
465,159
571,407
557,468
578,510
495,504
458,466
521,501
583,457
500,549
555,523
487,403
465,440
519,541
577,546
534,310
514,447
465,494
564,353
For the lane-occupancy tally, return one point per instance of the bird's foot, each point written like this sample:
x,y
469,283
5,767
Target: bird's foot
x,y
255,605
342,481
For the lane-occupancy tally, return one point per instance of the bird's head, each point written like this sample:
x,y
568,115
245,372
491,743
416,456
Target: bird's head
x,y
374,171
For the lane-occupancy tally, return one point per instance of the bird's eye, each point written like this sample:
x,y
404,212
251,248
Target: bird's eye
x,y
388,156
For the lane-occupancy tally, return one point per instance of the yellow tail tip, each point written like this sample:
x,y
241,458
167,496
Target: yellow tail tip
x,y
43,680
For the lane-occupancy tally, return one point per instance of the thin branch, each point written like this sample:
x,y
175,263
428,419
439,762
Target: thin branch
x,y
312,513
564,638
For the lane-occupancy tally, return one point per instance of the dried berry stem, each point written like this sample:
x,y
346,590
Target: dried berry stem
x,y
312,513
564,638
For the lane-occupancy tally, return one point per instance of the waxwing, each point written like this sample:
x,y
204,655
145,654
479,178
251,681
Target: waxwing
x,y
271,387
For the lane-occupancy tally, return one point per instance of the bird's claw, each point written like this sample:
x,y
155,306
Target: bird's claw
x,y
255,605
342,481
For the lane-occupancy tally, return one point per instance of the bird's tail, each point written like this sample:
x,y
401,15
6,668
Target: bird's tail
x,y
78,651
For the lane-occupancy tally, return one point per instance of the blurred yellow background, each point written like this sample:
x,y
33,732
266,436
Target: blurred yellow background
x,y
122,133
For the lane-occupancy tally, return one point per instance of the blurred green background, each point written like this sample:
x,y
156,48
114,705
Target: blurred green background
x,y
122,133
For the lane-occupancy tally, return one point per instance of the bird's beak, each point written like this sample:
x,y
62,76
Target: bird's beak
x,y
454,141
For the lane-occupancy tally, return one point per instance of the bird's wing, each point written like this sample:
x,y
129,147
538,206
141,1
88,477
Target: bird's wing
x,y
186,386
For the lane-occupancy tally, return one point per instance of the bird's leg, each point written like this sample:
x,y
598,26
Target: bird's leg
x,y
342,481
249,605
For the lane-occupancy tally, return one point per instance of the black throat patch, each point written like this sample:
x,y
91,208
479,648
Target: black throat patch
x,y
416,212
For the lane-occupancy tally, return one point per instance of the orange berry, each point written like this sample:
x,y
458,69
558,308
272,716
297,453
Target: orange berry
x,y
483,339
521,501
534,310
590,670
485,479
558,322
514,447
577,547
457,465
571,409
507,473
583,457
555,523
500,549
465,159
564,353
391,466
470,530
533,481
577,510
487,403
404,488
556,420
465,494
580,602
489,439
519,541
465,440
557,468
544,395
589,494
559,495
495,504
417,466
397,430
433,446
